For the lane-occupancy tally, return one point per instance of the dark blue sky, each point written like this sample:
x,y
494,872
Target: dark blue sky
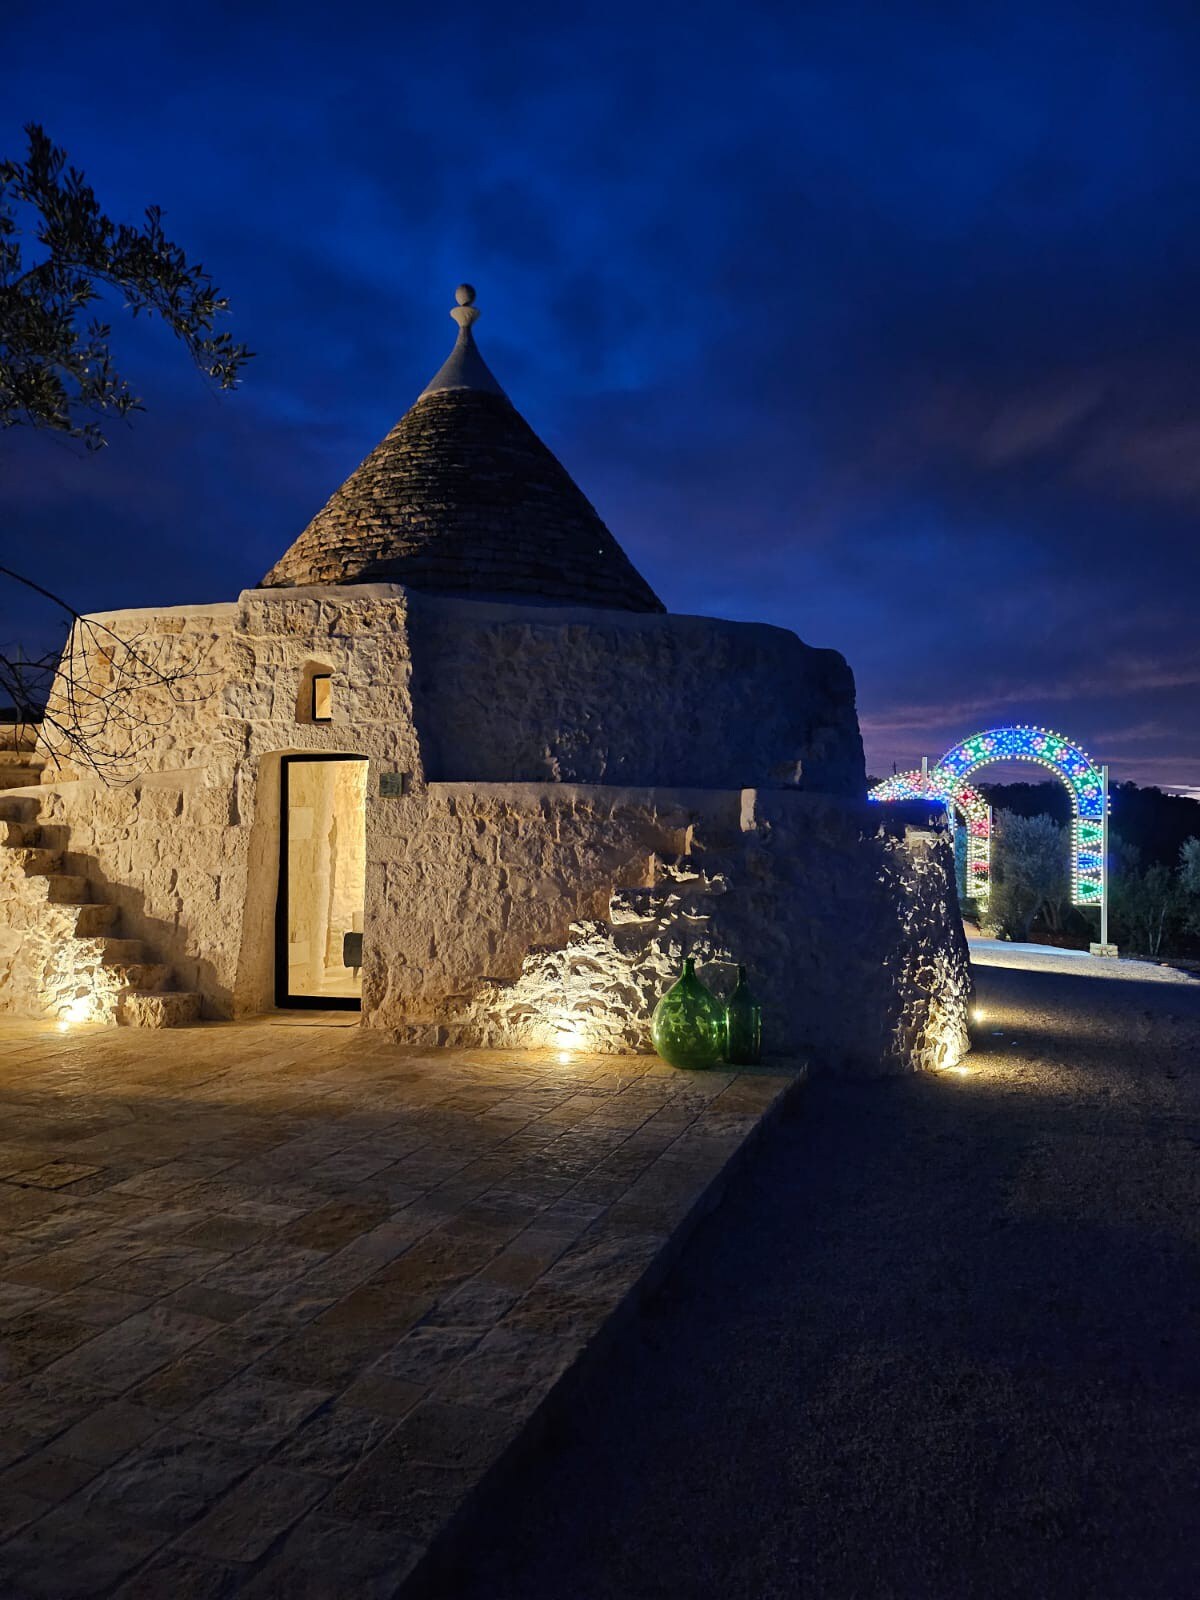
x,y
880,322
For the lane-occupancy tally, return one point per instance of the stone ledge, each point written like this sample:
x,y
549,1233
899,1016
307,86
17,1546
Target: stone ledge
x,y
163,1009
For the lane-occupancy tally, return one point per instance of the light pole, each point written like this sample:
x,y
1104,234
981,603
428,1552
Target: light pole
x,y
1104,948
1104,859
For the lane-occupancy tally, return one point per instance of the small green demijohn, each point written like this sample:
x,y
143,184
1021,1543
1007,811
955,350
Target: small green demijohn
x,y
688,1026
743,1025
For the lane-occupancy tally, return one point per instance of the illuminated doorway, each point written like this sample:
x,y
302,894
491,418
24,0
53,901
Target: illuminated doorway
x,y
322,877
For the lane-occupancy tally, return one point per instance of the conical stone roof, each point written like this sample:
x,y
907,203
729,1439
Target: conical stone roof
x,y
463,497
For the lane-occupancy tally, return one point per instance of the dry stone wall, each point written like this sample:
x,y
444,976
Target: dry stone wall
x,y
849,925
494,906
464,879
185,842
526,694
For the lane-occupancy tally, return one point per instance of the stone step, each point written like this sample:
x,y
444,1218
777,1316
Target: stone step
x,y
19,777
66,889
169,1008
116,952
17,736
95,919
36,861
19,808
145,975
19,834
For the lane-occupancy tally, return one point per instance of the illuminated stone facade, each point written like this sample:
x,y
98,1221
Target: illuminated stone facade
x,y
560,798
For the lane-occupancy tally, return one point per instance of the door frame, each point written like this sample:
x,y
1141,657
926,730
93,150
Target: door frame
x,y
284,1000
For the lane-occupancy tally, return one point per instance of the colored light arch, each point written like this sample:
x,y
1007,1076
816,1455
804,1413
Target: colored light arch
x,y
957,797
1082,779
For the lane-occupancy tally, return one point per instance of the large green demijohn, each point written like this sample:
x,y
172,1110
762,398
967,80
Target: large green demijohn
x,y
688,1026
743,1025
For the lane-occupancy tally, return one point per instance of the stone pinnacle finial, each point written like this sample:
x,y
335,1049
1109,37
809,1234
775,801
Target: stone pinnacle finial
x,y
464,367
466,311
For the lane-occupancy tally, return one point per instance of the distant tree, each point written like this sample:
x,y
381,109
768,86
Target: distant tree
x,y
1049,799
1029,873
1144,902
1157,822
59,253
1189,884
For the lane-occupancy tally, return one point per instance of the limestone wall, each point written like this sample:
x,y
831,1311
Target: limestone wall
x,y
506,693
637,740
464,879
471,691
185,839
519,914
164,853
236,674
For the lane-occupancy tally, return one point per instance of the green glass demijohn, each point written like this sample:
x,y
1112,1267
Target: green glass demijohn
x,y
743,1025
688,1026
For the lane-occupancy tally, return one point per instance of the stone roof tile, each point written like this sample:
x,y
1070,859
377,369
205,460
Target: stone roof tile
x,y
462,496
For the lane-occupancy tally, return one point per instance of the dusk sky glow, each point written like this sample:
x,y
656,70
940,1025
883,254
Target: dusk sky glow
x,y
876,322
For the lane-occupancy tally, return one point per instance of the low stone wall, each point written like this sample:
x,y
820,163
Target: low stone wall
x,y
502,924
463,880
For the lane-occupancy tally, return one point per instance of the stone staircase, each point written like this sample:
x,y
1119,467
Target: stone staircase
x,y
21,763
61,955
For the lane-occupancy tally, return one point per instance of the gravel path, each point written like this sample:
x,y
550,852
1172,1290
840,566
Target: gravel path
x,y
938,1341
1073,963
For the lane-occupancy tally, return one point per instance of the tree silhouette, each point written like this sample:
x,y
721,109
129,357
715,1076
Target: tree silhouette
x,y
59,254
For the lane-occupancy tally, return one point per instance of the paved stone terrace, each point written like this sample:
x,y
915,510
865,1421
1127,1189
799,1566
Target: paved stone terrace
x,y
275,1296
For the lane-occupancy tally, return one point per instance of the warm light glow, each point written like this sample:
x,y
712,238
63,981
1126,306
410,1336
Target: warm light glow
x,y
977,1014
74,1011
565,1035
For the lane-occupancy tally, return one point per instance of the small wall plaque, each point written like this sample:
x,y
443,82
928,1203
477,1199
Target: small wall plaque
x,y
393,784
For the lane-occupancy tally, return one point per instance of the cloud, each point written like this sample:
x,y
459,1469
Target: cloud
x,y
1126,429
1158,460
1106,677
878,324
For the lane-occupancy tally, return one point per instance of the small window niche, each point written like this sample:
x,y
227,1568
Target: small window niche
x,y
322,697
315,700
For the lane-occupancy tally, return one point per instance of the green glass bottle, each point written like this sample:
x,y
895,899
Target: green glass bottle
x,y
743,1025
688,1026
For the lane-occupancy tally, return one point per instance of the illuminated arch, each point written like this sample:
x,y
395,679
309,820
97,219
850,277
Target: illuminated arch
x,y
956,797
1082,779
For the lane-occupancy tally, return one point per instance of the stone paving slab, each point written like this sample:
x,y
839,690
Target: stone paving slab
x,y
276,1296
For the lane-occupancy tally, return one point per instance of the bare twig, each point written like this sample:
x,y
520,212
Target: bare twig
x,y
106,700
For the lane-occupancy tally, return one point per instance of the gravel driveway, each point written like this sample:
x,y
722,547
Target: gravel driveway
x,y
938,1341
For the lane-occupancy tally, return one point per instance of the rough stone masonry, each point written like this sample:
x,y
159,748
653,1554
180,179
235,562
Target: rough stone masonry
x,y
566,788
